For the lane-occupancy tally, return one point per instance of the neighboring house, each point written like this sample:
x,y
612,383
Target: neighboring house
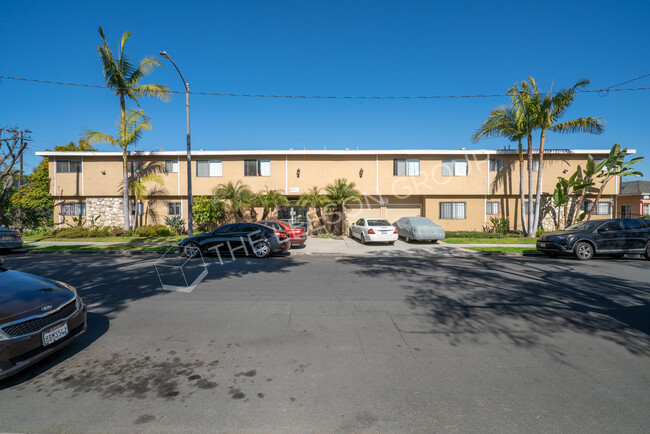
x,y
459,189
634,199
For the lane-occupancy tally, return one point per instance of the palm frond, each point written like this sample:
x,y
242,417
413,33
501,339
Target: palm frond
x,y
153,90
591,125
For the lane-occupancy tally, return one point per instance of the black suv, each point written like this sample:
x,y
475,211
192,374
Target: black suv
x,y
614,237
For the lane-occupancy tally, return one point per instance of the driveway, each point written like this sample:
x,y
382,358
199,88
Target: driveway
x,y
346,343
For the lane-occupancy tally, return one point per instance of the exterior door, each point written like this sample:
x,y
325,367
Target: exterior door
x,y
635,235
610,236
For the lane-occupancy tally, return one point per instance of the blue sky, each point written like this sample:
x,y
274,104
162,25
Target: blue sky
x,y
343,48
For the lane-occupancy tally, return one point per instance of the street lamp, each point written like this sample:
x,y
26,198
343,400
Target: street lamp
x,y
190,232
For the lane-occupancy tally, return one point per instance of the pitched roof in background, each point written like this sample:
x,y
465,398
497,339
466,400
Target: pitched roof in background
x,y
635,187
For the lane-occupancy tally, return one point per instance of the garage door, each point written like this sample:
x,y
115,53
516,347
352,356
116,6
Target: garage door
x,y
354,213
396,212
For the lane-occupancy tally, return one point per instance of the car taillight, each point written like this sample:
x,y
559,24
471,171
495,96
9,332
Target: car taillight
x,y
395,231
19,235
371,231
281,235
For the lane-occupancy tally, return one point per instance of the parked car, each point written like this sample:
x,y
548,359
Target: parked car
x,y
38,316
420,229
614,237
237,239
297,235
10,239
373,230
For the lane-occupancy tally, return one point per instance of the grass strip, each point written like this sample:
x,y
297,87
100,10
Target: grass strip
x,y
504,249
110,239
80,248
490,240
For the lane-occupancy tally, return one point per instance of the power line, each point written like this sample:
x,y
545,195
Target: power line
x,y
601,91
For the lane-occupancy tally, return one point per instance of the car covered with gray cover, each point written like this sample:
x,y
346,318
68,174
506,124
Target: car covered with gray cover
x,y
419,228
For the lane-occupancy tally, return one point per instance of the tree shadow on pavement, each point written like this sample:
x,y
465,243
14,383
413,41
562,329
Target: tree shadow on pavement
x,y
523,299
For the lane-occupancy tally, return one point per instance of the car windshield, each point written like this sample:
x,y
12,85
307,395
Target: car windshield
x,y
377,222
586,226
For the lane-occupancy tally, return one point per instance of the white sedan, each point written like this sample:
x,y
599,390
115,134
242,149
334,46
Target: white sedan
x,y
373,230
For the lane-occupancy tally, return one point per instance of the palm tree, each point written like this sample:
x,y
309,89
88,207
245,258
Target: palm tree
x,y
124,78
547,110
505,122
315,200
238,194
338,194
129,134
269,200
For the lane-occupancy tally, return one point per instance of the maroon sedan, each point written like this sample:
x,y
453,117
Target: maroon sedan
x,y
297,235
38,316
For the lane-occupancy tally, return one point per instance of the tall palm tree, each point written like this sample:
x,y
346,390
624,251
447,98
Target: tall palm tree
x,y
338,194
505,122
547,110
125,79
129,134
270,199
314,199
238,194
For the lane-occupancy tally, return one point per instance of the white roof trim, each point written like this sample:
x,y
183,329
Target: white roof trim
x,y
326,152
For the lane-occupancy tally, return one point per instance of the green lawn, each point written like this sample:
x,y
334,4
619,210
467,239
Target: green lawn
x,y
490,240
172,239
504,249
77,248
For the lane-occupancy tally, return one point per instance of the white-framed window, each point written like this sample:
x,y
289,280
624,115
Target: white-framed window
x,y
452,210
535,164
208,168
133,167
646,209
492,208
454,167
496,165
406,167
626,211
73,208
171,166
68,166
173,208
602,208
257,167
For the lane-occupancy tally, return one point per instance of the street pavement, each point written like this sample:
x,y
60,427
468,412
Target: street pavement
x,y
304,343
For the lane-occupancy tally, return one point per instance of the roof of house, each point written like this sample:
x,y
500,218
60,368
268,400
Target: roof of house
x,y
202,152
635,187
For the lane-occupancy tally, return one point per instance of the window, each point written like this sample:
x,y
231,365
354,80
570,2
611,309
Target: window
x,y
496,165
626,211
646,209
406,167
452,210
171,166
492,208
454,167
602,208
68,166
133,167
257,167
73,208
526,207
174,208
633,224
535,165
205,168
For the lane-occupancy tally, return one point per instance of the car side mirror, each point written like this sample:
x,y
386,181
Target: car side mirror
x,y
2,261
601,230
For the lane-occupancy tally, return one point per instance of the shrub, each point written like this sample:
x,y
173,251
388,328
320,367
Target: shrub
x,y
73,232
176,224
41,231
500,225
152,231
207,212
99,232
479,234
118,231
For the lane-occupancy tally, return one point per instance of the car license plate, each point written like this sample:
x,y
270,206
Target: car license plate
x,y
54,334
542,244
8,238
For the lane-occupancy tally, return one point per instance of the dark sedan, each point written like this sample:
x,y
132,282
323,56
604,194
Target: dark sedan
x,y
10,239
237,239
38,316
614,237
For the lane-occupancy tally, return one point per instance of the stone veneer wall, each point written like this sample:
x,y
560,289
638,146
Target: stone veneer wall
x,y
108,208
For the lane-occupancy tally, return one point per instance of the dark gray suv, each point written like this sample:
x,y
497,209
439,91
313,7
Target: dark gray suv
x,y
614,237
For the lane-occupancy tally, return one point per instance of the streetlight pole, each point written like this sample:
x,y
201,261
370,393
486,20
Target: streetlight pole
x,y
190,232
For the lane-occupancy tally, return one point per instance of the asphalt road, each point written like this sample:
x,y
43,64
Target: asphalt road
x,y
364,344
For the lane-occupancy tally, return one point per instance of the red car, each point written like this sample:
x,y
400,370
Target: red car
x,y
297,235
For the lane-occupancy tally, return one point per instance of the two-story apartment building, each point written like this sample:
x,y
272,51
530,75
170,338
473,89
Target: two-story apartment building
x,y
459,189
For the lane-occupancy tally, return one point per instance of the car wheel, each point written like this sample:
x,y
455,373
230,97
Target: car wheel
x,y
583,251
191,250
407,239
350,233
392,243
647,252
261,249
363,239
